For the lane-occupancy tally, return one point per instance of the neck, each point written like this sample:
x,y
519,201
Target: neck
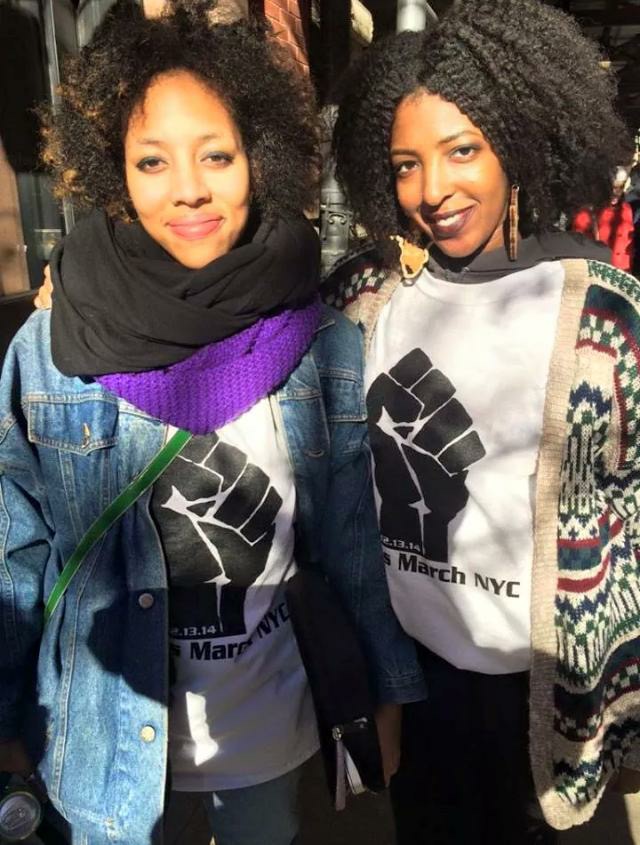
x,y
456,264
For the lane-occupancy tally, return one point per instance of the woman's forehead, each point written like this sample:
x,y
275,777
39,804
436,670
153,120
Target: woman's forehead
x,y
177,100
430,115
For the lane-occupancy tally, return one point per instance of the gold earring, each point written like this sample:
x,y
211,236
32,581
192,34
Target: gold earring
x,y
412,257
514,220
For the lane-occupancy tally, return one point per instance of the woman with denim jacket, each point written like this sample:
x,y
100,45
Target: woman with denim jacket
x,y
503,390
186,299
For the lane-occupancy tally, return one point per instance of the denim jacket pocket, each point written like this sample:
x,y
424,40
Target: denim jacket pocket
x,y
343,396
78,424
75,436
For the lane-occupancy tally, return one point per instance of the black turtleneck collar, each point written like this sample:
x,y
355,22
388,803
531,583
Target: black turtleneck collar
x,y
487,266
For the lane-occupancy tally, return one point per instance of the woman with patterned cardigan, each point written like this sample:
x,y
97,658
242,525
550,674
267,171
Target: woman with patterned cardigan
x,y
503,390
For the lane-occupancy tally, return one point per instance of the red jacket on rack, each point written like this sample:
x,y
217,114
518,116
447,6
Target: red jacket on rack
x,y
613,225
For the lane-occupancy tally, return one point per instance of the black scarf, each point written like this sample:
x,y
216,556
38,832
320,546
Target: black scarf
x,y
122,304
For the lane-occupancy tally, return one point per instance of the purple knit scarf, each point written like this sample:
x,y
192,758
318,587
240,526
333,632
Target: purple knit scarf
x,y
221,381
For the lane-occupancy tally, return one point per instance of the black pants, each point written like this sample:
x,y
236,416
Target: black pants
x,y
465,777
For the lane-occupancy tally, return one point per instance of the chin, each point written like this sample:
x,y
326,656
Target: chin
x,y
194,263
453,249
460,248
196,259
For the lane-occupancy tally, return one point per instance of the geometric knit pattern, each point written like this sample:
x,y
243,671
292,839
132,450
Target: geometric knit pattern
x,y
356,273
597,685
585,677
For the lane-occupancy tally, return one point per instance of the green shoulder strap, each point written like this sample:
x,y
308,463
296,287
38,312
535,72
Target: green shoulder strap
x,y
112,513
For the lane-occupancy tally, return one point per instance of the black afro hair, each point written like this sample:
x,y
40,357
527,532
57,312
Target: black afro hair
x,y
270,99
524,74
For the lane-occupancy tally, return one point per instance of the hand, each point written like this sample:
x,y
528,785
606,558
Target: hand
x,y
218,524
43,298
389,725
626,781
423,443
153,8
14,758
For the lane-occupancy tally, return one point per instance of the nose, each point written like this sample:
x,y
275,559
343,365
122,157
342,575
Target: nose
x,y
436,183
188,185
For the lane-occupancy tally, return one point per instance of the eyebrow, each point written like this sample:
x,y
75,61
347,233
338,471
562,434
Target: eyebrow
x,y
442,142
457,135
212,136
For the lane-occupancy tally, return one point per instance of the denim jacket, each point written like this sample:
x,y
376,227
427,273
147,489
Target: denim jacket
x,y
89,693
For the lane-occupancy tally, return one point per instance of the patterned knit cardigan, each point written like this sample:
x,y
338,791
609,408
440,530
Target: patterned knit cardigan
x,y
585,613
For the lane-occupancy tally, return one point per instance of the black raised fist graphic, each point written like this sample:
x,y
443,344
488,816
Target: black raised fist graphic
x,y
216,513
423,446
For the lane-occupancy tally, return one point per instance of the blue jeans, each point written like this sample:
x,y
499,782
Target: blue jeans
x,y
252,815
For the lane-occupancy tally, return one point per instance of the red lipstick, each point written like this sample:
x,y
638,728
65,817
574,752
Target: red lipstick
x,y
449,224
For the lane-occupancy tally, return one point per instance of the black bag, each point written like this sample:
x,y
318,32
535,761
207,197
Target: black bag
x,y
337,674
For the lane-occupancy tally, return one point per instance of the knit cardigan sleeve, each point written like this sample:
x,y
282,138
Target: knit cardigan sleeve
x,y
585,680
623,488
360,286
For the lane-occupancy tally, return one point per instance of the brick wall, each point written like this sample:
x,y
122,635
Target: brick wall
x,y
289,19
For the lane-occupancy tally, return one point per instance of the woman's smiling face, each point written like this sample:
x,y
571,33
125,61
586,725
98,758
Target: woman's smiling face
x,y
449,181
186,169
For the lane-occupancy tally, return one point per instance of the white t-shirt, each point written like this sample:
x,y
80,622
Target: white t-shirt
x,y
455,381
241,711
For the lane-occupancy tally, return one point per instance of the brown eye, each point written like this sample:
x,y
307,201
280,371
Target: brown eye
x,y
403,168
464,153
218,159
150,164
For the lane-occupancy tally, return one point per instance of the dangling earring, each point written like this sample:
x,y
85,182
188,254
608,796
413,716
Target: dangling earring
x,y
412,257
514,220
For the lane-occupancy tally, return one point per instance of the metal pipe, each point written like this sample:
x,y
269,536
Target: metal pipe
x,y
335,44
335,216
49,23
335,221
413,15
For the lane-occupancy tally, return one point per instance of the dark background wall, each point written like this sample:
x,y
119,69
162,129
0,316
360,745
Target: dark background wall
x,y
14,310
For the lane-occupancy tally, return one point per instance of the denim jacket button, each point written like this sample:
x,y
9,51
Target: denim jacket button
x,y
147,734
146,600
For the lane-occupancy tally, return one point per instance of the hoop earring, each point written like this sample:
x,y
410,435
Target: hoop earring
x,y
514,220
413,258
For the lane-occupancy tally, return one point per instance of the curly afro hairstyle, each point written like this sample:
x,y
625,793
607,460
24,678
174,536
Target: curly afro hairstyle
x,y
270,100
524,74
